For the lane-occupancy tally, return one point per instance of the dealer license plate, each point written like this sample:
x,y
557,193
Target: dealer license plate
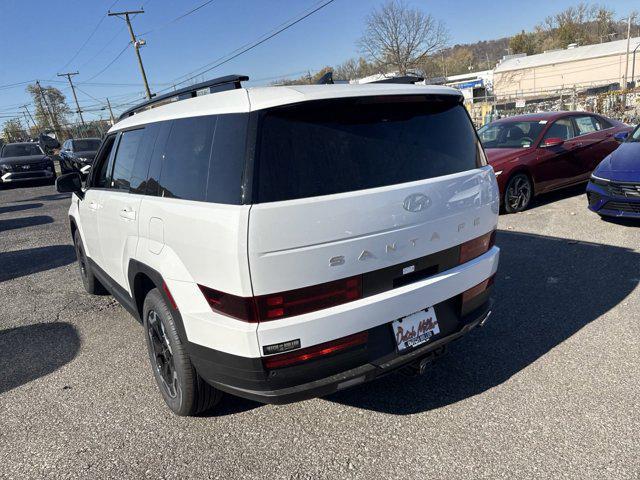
x,y
415,329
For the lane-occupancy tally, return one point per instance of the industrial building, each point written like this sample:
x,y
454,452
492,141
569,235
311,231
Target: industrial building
x,y
577,67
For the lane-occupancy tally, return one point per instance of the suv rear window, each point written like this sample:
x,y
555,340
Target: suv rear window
x,y
343,145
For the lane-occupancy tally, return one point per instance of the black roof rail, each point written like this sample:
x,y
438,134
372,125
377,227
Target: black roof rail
x,y
220,84
405,79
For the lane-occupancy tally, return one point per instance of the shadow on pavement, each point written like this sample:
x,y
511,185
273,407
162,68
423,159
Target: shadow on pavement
x,y
18,208
32,260
15,223
33,351
557,195
624,222
52,197
546,290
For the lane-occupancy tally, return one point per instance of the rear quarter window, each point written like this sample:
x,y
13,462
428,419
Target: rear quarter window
x,y
335,146
186,164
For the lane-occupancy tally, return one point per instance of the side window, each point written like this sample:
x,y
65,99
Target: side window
x,y
125,158
157,157
562,128
586,124
228,159
604,123
140,172
186,159
102,165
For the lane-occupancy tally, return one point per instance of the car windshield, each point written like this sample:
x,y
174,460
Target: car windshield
x,y
510,134
86,145
635,135
21,150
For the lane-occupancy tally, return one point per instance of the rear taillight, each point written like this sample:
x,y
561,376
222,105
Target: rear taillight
x,y
473,292
476,247
309,299
317,351
241,308
284,304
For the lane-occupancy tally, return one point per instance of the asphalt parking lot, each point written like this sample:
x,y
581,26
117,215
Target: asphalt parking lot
x,y
549,388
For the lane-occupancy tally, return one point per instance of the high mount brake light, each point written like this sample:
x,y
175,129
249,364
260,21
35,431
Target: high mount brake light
x,y
285,304
476,247
317,351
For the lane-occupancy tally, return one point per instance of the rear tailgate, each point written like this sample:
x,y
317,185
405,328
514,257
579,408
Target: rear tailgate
x,y
298,243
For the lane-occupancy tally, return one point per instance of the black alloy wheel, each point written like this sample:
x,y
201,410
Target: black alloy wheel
x,y
162,355
518,194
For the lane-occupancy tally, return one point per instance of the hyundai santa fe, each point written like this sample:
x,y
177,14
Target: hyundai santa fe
x,y
283,243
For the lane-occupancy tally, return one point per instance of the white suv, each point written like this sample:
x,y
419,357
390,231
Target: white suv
x,y
283,243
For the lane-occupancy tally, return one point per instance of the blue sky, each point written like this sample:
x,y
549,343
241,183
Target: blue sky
x,y
37,45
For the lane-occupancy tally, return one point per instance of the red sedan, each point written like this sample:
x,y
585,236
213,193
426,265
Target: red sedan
x,y
540,152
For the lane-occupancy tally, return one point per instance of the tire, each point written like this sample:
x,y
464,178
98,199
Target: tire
x,y
518,193
91,284
182,389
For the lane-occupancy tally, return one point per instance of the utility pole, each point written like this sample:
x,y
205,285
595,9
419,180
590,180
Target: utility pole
x,y
136,43
26,107
44,99
626,63
113,120
626,66
75,97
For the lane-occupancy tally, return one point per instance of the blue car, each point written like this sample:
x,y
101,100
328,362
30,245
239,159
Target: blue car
x,y
614,187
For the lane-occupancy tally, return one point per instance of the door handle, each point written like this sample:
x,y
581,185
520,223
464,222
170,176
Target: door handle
x,y
128,214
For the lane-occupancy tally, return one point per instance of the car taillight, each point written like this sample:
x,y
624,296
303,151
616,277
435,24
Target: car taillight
x,y
317,351
473,292
241,308
476,247
284,304
309,299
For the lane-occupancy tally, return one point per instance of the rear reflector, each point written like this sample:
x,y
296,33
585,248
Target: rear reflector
x,y
317,351
284,304
476,247
473,292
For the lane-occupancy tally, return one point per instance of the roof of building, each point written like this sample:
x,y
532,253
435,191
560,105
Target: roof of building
x,y
258,98
568,55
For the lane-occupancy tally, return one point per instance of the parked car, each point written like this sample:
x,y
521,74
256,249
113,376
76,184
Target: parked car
x,y
78,153
614,188
541,152
21,162
282,243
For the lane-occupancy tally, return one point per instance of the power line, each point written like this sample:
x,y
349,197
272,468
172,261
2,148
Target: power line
x,y
88,38
178,18
109,64
247,47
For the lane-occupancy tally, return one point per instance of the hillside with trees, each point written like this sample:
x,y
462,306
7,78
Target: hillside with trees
x,y
399,38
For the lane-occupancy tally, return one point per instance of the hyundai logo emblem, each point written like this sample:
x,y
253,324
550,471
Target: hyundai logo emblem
x,y
416,202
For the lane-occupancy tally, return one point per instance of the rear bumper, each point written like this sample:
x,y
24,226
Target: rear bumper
x,y
602,202
15,177
325,376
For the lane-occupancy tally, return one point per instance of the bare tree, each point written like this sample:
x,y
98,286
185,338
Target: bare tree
x,y
397,37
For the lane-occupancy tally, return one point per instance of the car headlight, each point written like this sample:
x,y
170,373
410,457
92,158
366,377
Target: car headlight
x,y
600,180
5,168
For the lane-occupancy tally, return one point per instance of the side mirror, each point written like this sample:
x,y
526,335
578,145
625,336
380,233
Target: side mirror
x,y
621,136
552,142
69,183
